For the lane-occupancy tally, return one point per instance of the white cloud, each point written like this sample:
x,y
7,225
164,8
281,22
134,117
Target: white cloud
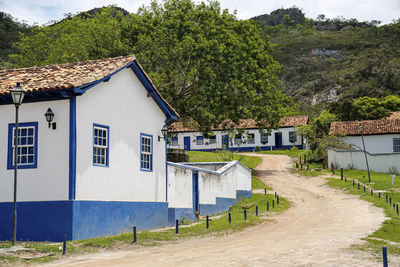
x,y
42,11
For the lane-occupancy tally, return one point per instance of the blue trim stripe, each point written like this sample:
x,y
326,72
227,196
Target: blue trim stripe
x,y
72,148
10,154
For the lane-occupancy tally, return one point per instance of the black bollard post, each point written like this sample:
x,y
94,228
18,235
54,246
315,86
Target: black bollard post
x,y
273,203
208,223
353,182
345,179
245,214
65,245
268,206
364,188
297,165
358,186
256,210
230,218
372,192
379,194
134,234
177,227
384,257
341,173
275,194
397,209
265,191
277,200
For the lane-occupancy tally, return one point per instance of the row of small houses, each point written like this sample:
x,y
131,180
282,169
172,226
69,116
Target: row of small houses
x,y
99,167
251,138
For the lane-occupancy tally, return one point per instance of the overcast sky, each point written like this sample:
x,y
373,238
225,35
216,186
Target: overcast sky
x,y
43,11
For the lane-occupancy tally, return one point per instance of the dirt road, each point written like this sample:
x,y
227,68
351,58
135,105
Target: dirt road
x,y
315,231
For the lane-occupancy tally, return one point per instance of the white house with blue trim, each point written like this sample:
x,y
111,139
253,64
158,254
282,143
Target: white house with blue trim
x,y
101,168
252,138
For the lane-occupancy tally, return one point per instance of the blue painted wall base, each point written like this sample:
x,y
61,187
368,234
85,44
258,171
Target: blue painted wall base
x,y
51,220
223,204
178,213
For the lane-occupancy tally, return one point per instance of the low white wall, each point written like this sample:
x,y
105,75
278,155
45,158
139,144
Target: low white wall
x,y
180,192
356,159
222,183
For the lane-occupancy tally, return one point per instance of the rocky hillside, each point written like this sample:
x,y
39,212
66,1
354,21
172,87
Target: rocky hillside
x,y
325,60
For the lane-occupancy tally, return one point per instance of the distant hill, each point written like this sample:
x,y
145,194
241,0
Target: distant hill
x,y
277,17
10,29
325,60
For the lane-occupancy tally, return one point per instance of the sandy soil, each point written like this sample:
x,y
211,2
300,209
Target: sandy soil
x,y
316,231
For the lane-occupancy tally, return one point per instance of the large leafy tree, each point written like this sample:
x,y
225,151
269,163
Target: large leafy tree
x,y
208,64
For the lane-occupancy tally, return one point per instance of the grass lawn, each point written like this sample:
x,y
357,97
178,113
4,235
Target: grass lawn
x,y
199,156
218,226
379,181
390,230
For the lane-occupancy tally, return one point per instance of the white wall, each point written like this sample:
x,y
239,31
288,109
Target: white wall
x,y
180,188
123,105
219,144
49,181
356,160
211,185
373,143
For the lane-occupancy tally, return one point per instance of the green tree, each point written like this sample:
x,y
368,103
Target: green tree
x,y
318,137
208,64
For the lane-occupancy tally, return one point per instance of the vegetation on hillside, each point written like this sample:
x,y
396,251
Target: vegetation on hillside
x,y
10,29
330,59
209,65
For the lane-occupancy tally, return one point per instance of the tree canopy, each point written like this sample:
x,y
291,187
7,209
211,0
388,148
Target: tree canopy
x,y
208,64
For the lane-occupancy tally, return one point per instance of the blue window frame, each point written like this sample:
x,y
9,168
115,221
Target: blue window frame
x,y
27,145
396,144
174,141
101,135
146,152
199,140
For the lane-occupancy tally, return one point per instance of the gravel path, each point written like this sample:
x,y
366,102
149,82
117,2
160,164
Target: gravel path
x,y
315,231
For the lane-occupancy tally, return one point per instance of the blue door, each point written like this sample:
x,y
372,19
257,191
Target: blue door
x,y
186,143
195,184
278,140
225,141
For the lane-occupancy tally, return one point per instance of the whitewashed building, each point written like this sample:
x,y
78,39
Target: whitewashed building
x,y
189,138
101,168
206,188
382,144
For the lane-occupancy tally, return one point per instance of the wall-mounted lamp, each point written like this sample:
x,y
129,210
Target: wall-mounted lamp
x,y
49,118
164,132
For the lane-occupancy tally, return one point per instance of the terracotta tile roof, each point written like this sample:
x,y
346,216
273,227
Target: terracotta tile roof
x,y
61,76
395,115
65,76
385,126
244,124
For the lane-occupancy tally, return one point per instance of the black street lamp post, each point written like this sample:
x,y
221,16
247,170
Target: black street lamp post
x,y
361,128
17,94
